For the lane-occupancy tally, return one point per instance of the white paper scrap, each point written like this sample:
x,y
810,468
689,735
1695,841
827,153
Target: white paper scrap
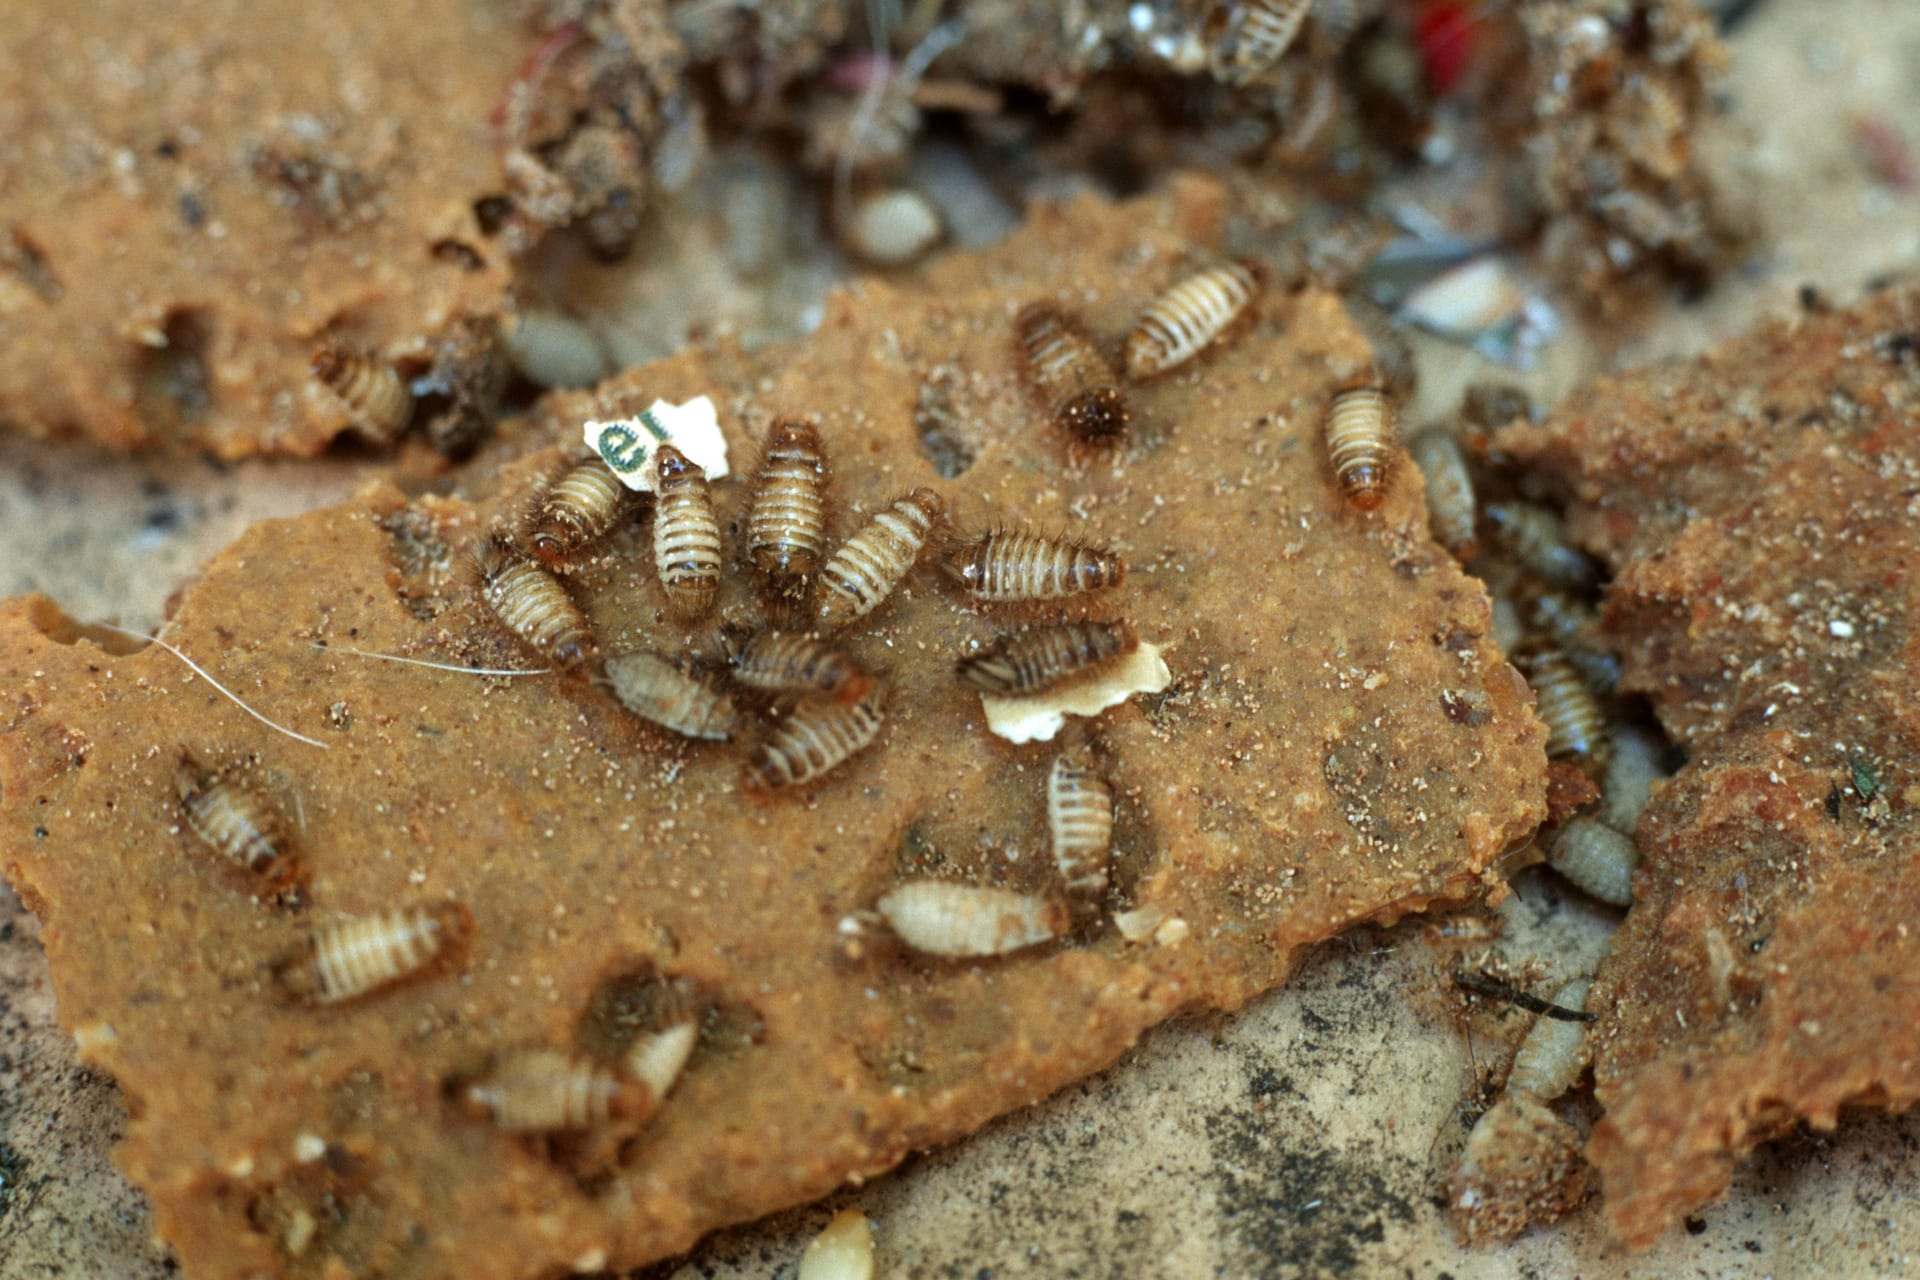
x,y
1038,717
627,445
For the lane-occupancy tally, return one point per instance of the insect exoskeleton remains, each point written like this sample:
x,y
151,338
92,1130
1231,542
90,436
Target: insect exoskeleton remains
x,y
579,509
686,535
1360,445
1450,502
348,958
1600,860
816,736
541,1090
1037,659
1188,318
1068,374
1265,31
787,525
377,401
941,918
1010,565
234,816
867,567
790,662
656,690
1080,830
1554,1053
1538,540
532,603
1576,725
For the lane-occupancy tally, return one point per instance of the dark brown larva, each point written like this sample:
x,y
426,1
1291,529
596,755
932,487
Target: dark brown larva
x,y
1008,565
541,1090
1360,444
686,535
579,509
871,563
376,399
349,958
815,737
233,816
654,689
533,604
788,662
787,525
1186,319
1068,374
1080,829
1576,724
1037,659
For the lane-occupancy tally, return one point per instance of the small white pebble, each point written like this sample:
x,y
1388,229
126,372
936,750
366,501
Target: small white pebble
x,y
307,1148
1840,627
893,228
844,1251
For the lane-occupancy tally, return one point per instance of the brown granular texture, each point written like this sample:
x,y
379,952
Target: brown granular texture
x,y
1761,509
192,199
1303,773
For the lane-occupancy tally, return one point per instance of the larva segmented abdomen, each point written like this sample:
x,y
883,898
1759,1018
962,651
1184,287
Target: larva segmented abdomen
x,y
1572,625
1007,566
1600,860
1360,445
1632,769
1450,501
1186,319
1576,725
1068,373
377,401
1266,31
540,1090
349,958
867,567
1554,1053
789,662
1037,659
655,690
686,535
787,527
1538,540
945,919
817,736
233,817
1080,829
533,604
582,507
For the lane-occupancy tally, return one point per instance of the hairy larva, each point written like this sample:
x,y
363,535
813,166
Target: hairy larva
x,y
1576,725
815,737
1538,539
375,397
348,958
1008,565
579,509
1080,831
1037,659
1068,374
1631,772
1554,1053
533,604
787,525
945,919
789,662
1450,502
1360,435
686,535
867,567
1186,319
541,1090
235,817
1264,33
1595,857
654,689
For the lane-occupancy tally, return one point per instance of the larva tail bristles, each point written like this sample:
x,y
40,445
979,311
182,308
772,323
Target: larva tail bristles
x,y
1096,417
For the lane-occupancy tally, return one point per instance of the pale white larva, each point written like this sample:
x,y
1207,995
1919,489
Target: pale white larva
x,y
1554,1053
940,918
657,1058
1597,858
540,1090
1631,772
1450,501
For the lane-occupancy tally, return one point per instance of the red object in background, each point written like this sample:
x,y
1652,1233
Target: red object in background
x,y
1445,31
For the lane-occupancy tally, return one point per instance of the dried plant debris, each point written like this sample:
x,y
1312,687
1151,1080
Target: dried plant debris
x,y
1757,507
614,880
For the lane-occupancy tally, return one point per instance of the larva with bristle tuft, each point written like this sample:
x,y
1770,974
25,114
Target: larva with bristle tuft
x,y
532,603
1554,1053
348,958
867,567
1450,503
1188,318
1010,565
655,690
377,401
1600,860
233,816
686,535
1080,831
787,524
940,918
1360,445
1576,725
815,737
789,662
1265,31
579,509
1068,374
1039,658
1538,539
540,1090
